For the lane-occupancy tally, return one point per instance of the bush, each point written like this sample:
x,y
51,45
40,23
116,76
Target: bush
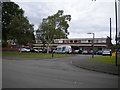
x,y
4,44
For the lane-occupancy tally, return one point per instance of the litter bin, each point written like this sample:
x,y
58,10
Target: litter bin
x,y
113,54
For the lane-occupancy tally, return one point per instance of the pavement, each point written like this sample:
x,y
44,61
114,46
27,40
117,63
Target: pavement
x,y
96,66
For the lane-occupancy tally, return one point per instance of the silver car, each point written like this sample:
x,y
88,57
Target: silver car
x,y
24,50
106,52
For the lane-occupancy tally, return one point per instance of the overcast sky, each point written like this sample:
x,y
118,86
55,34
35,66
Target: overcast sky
x,y
87,15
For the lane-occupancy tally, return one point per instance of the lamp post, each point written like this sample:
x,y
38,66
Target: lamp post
x,y
92,44
116,30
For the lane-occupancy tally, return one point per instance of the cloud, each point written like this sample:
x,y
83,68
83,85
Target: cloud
x,y
87,16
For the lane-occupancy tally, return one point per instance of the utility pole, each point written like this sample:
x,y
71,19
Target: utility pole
x,y
116,59
110,39
110,31
92,43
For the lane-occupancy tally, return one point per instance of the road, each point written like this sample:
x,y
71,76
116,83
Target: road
x,y
52,73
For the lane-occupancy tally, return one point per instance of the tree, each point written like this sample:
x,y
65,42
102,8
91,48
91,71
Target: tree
x,y
54,27
15,26
118,38
22,33
118,43
0,20
9,9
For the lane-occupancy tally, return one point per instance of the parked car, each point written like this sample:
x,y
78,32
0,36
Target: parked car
x,y
44,51
77,51
84,52
32,50
99,52
24,50
36,50
91,52
106,53
54,50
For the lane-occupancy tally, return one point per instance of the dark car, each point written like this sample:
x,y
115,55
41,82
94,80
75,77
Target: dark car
x,y
91,52
44,51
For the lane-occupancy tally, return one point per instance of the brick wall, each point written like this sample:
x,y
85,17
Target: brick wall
x,y
10,49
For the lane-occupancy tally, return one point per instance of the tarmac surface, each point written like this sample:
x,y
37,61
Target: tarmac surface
x,y
96,66
53,73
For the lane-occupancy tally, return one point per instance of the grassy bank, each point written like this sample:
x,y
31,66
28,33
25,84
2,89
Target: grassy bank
x,y
106,59
33,55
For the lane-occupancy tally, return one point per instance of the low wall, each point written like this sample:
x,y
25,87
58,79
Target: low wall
x,y
9,49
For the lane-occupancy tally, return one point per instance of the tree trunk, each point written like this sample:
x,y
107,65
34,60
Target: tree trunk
x,y
48,48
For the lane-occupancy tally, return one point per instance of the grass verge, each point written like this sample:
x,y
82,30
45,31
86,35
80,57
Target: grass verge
x,y
106,59
33,55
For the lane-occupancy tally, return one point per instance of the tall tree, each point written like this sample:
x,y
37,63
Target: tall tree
x,y
21,33
14,25
9,9
0,20
54,27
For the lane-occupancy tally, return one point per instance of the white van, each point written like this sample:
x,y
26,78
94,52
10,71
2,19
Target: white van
x,y
63,49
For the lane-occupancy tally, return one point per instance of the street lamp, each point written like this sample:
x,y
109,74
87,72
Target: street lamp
x,y
116,30
92,44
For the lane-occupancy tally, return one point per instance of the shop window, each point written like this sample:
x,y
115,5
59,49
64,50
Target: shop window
x,y
89,41
84,41
71,41
75,41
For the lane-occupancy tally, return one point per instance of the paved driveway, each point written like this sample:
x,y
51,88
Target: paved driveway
x,y
52,73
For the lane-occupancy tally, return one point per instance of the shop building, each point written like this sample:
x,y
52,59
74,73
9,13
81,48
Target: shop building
x,y
80,43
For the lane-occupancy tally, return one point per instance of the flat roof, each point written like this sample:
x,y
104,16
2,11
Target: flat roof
x,y
83,39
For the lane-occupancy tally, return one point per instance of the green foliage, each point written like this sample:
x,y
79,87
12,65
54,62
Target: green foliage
x,y
9,9
4,44
118,39
0,20
54,27
23,33
118,42
14,25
